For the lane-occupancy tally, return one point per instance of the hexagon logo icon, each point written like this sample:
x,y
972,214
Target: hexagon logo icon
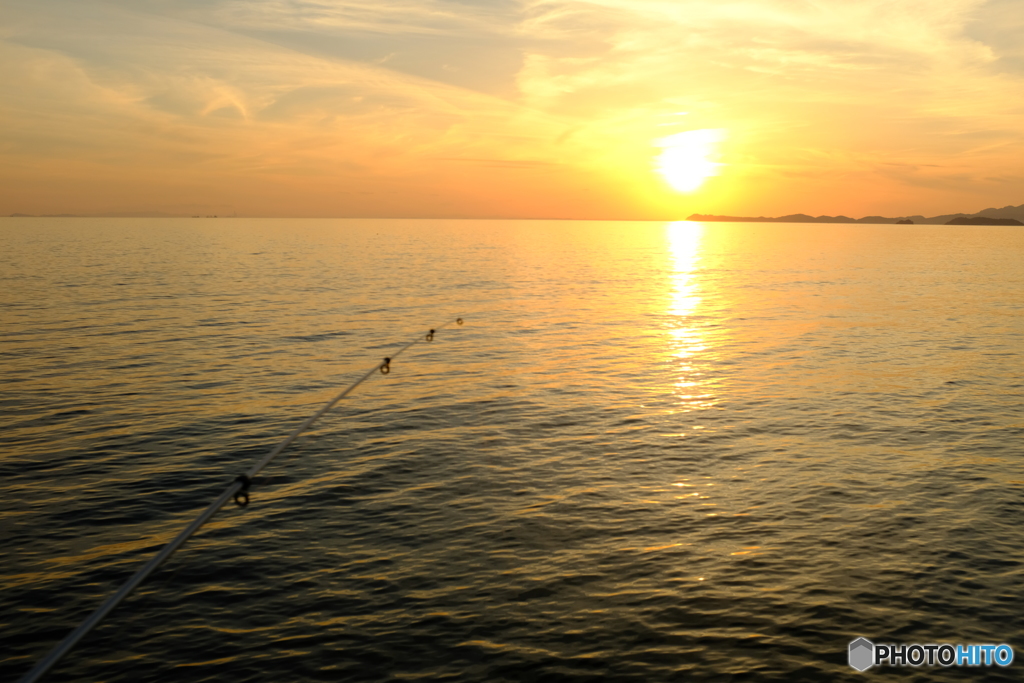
x,y
862,654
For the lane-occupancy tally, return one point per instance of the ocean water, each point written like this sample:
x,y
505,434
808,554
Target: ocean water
x,y
653,452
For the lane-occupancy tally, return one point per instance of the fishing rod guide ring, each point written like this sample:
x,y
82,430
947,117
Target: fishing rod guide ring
x,y
242,495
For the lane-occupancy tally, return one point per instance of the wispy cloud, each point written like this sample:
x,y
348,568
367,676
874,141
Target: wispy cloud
x,y
438,17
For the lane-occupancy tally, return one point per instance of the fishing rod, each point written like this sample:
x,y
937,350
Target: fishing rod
x,y
237,490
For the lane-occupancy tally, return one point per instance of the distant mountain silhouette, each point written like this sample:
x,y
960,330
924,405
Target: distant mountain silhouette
x,y
122,214
1012,213
45,215
984,220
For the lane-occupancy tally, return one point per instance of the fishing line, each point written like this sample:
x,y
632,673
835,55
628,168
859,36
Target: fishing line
x,y
238,490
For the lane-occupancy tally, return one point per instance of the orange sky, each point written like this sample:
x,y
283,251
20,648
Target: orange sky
x,y
504,108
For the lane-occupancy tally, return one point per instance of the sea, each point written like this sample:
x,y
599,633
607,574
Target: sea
x,y
653,451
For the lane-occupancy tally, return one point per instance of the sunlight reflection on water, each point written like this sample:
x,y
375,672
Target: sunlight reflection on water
x,y
688,342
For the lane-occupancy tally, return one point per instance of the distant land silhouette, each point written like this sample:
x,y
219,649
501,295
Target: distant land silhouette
x,y
1008,215
127,214
984,220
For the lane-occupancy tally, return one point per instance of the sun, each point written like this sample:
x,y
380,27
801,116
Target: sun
x,y
684,161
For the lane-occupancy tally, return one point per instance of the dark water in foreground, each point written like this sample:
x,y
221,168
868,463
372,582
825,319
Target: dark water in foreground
x,y
654,451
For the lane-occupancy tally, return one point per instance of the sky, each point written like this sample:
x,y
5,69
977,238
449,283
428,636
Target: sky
x,y
600,109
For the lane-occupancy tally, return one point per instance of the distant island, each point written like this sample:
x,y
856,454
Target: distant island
x,y
983,220
129,214
124,214
1008,215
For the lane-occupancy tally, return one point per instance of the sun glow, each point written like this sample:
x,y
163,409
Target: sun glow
x,y
684,161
